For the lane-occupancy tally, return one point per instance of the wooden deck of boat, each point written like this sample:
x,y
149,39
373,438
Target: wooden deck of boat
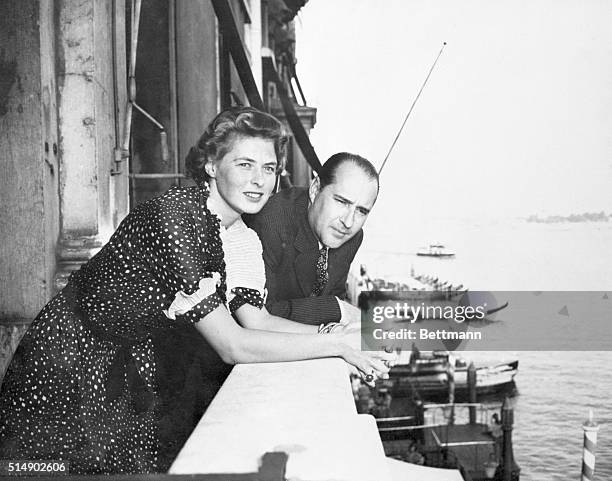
x,y
472,445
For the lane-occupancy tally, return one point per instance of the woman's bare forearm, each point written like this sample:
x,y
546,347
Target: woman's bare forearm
x,y
261,319
266,346
236,344
240,345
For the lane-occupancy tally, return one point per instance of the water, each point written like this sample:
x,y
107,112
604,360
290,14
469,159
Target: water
x,y
556,389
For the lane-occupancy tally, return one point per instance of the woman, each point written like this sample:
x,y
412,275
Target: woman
x,y
81,386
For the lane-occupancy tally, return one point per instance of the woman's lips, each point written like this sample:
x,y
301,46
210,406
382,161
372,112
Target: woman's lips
x,y
253,196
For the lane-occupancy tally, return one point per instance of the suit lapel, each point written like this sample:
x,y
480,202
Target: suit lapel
x,y
307,246
332,268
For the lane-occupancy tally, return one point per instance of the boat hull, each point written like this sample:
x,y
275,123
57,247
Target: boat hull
x,y
430,381
439,392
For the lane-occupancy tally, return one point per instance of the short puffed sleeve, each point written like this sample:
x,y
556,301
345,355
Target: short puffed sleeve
x,y
179,240
244,266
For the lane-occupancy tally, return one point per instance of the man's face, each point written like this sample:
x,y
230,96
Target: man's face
x,y
338,210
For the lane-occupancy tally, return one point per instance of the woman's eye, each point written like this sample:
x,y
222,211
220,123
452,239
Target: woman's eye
x,y
269,169
245,164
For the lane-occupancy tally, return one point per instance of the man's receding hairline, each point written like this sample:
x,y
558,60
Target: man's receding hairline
x,y
355,166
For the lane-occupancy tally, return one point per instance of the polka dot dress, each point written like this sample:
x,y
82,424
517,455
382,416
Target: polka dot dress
x,y
82,384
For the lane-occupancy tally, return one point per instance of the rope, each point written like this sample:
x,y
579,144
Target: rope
x,y
411,107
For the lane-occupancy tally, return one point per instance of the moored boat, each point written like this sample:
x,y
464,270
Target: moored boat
x,y
435,250
427,377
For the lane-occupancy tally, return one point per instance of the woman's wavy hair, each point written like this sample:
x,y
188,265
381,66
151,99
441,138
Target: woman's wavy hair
x,y
225,128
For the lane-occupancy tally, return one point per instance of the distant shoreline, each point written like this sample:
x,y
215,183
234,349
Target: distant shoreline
x,y
556,219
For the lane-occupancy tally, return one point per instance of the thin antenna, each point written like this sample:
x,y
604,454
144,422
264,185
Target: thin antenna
x,y
411,107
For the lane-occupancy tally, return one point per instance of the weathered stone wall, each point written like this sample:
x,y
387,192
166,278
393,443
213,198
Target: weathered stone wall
x,y
28,166
58,134
88,135
10,335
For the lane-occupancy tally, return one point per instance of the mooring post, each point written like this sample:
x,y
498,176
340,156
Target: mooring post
x,y
450,374
508,470
471,380
420,419
588,451
507,425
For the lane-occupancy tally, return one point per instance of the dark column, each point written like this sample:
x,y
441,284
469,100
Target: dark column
x,y
196,75
471,380
507,470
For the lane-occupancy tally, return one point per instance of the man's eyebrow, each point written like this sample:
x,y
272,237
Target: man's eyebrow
x,y
351,202
363,209
343,199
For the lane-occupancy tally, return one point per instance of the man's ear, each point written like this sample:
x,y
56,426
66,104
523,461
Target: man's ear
x,y
210,169
315,187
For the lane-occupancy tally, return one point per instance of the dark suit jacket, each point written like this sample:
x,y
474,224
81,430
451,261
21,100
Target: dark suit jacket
x,y
290,251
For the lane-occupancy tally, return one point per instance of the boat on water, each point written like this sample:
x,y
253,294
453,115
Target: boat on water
x,y
426,376
430,292
435,250
461,433
410,287
467,437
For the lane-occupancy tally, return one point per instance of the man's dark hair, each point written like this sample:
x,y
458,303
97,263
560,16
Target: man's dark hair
x,y
327,174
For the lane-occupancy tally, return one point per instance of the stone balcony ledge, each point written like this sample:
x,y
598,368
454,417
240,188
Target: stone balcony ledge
x,y
305,409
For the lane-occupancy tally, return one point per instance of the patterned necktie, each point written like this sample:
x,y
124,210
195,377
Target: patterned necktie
x,y
322,276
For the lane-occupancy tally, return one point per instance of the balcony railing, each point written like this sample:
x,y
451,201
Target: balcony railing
x,y
305,409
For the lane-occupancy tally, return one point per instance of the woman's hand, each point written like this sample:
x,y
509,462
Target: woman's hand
x,y
237,345
371,365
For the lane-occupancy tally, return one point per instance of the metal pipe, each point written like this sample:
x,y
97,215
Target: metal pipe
x,y
119,74
163,136
397,418
148,116
157,176
459,405
127,126
136,7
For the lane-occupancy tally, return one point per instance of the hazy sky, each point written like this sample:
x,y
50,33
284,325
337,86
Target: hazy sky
x,y
515,120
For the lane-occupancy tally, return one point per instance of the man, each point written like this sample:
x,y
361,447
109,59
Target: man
x,y
310,237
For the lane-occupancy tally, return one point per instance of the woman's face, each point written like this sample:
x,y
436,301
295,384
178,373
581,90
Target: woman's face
x,y
245,176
